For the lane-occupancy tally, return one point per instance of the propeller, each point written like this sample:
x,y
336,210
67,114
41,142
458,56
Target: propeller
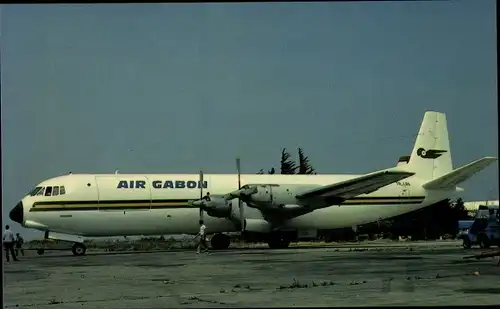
x,y
240,202
236,194
201,193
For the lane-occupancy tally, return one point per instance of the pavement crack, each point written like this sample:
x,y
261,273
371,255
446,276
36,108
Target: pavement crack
x,y
241,288
297,285
201,300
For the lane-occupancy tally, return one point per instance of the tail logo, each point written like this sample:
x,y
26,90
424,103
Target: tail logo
x,y
430,153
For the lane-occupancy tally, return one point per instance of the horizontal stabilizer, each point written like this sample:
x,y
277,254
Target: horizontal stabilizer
x,y
450,180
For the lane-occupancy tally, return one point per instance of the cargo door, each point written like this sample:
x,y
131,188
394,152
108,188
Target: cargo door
x,y
128,193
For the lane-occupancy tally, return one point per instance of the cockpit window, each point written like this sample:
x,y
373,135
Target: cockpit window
x,y
40,192
48,191
34,191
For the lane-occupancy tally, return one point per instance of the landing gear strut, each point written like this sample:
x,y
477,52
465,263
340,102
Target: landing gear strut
x,y
278,241
78,249
220,242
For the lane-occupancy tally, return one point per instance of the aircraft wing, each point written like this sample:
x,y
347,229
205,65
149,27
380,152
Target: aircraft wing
x,y
319,197
350,188
337,193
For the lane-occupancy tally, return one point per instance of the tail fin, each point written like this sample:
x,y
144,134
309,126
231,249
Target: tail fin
x,y
431,156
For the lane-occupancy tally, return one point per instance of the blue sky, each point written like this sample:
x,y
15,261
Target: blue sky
x,y
170,88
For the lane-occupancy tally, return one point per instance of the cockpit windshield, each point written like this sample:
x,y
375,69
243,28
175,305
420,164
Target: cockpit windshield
x,y
48,191
34,191
40,192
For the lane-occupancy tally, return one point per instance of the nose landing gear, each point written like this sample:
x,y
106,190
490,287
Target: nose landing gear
x,y
78,249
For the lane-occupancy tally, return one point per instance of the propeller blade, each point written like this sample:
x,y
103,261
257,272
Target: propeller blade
x,y
240,202
239,172
201,193
242,215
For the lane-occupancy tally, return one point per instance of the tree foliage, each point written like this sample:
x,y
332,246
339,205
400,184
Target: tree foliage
x,y
430,222
460,210
289,167
270,172
304,165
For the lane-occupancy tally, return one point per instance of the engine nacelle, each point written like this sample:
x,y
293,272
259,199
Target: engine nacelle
x,y
257,226
278,195
218,207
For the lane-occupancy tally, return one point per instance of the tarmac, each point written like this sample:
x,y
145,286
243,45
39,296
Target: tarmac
x,y
433,273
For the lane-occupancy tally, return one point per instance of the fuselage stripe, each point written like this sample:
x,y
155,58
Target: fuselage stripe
x,y
171,204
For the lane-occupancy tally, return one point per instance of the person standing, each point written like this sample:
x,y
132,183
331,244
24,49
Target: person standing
x,y
19,244
207,197
203,238
8,242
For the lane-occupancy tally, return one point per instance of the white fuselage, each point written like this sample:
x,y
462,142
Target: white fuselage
x,y
156,204
94,206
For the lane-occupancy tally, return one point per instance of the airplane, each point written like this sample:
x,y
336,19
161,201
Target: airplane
x,y
272,208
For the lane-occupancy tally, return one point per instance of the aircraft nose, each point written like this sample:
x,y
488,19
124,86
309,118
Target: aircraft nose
x,y
16,214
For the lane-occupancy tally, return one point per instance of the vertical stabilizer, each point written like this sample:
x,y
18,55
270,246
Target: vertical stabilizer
x,y
431,155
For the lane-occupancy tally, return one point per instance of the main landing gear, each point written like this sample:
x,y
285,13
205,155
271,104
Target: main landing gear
x,y
220,242
277,240
78,249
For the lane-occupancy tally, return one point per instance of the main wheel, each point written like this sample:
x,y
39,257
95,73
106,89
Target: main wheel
x,y
278,241
220,242
78,249
40,251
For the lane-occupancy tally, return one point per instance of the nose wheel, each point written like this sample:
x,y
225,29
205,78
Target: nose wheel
x,y
78,249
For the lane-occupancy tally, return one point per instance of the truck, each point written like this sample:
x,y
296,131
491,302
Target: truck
x,y
484,230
